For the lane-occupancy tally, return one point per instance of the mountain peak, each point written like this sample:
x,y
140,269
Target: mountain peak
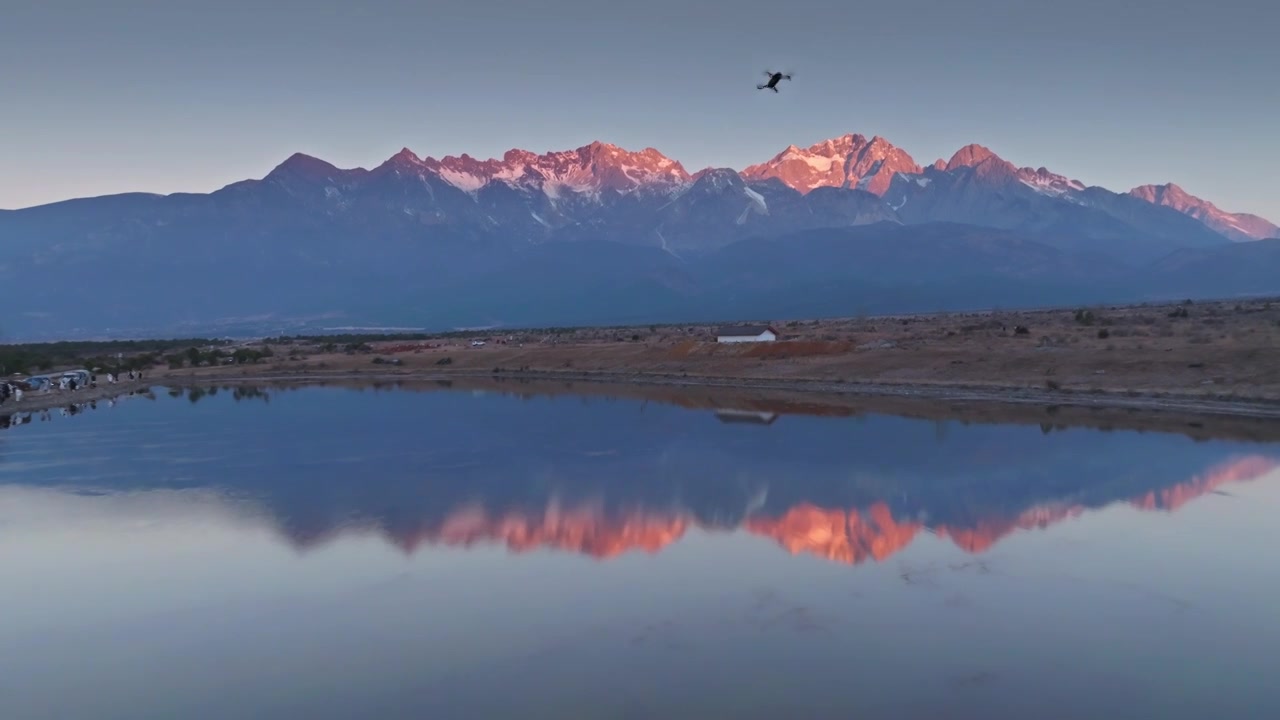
x,y
597,148
1237,226
838,145
717,176
1158,194
970,155
590,168
848,161
304,166
516,155
406,156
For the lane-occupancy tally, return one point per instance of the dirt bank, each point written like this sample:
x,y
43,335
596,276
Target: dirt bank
x,y
1219,358
36,401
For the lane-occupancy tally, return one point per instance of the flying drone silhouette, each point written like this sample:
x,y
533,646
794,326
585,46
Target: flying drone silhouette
x,y
772,83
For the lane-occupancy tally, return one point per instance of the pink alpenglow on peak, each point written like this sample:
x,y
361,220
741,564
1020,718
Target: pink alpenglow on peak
x,y
849,161
589,169
971,156
987,164
1237,226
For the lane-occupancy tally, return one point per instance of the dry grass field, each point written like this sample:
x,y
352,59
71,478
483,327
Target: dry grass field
x,y
1224,350
1219,357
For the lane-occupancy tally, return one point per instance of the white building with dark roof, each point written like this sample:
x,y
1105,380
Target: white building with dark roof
x,y
746,333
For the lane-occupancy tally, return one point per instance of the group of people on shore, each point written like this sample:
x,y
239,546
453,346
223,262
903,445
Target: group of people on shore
x,y
68,382
9,390
133,375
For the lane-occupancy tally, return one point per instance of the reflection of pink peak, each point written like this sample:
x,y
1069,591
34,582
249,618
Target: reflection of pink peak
x,y
985,534
587,530
850,536
312,538
853,537
844,536
1172,498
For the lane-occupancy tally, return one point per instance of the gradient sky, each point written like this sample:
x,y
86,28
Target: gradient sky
x,y
180,95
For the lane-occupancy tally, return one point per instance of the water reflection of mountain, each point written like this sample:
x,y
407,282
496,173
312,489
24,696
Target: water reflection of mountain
x,y
851,535
606,477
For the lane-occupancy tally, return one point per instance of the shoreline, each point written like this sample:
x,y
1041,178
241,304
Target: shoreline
x,y
39,402
1171,402
1000,394
1213,359
1200,419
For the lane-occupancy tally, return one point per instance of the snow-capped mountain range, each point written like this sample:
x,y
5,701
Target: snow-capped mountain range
x,y
849,162
574,229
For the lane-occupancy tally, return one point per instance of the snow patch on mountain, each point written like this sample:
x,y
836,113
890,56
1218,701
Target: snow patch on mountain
x,y
1047,183
462,180
758,199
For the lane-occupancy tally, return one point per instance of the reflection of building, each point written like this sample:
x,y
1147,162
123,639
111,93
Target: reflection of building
x,y
754,417
746,333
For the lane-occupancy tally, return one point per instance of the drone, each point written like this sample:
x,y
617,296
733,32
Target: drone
x,y
774,77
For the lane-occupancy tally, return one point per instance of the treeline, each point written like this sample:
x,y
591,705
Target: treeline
x,y
357,339
114,356
353,339
195,357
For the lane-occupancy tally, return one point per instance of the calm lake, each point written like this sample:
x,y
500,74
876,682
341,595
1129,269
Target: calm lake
x,y
333,553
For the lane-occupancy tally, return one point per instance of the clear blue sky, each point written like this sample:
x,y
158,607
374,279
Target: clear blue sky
x,y
180,95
